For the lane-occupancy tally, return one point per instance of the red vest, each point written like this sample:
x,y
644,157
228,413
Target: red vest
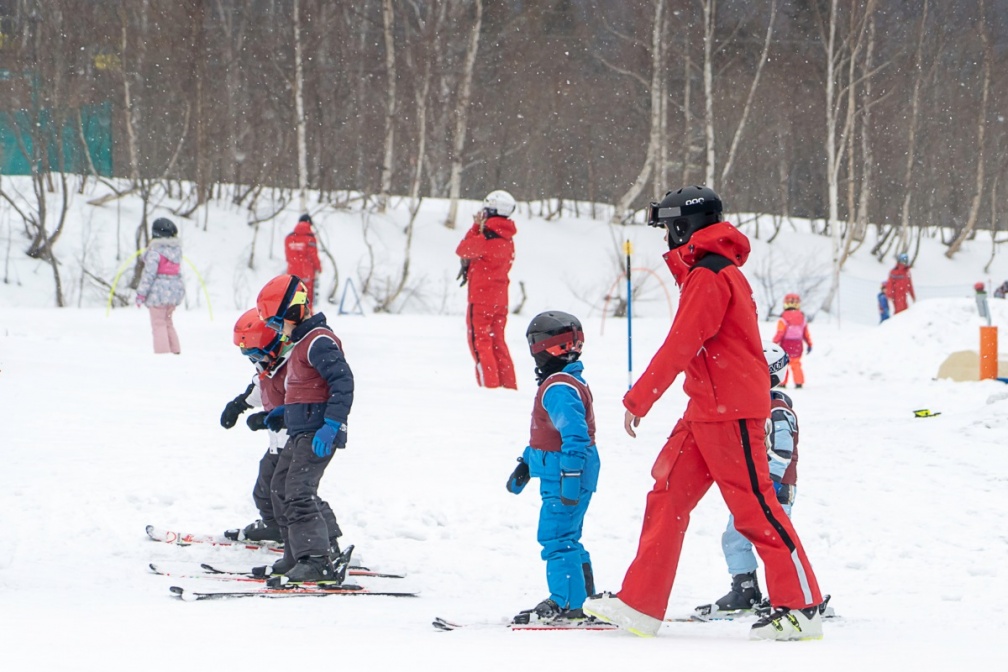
x,y
271,387
304,385
544,436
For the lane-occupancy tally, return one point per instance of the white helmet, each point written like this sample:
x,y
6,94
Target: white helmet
x,y
499,203
777,361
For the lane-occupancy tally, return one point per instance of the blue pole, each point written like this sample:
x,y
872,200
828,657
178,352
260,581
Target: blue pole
x,y
628,248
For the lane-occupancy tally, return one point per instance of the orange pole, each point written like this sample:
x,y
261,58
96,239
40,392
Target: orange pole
x,y
988,353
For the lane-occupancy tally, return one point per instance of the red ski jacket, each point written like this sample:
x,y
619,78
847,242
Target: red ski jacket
x,y
714,337
490,253
899,286
301,250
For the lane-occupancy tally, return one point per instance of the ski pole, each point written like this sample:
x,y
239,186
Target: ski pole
x,y
628,248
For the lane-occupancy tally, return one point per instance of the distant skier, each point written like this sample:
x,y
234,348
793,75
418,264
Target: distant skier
x,y
319,392
486,253
792,331
900,284
301,251
883,303
562,454
161,288
782,455
1001,291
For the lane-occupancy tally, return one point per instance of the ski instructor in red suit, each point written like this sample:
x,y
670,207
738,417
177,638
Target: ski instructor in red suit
x,y
715,340
487,252
301,250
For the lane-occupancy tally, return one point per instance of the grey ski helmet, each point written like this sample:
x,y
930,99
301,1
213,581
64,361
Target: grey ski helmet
x,y
685,212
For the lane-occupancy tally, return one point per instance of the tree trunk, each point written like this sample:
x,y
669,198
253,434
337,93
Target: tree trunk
x,y
388,18
904,221
709,16
974,210
462,118
737,137
622,209
299,110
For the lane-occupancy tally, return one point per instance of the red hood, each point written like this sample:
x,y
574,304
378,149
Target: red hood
x,y
502,226
721,238
302,228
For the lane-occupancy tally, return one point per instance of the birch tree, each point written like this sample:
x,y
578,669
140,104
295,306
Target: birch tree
x,y
747,107
974,210
623,204
462,117
299,111
840,51
388,156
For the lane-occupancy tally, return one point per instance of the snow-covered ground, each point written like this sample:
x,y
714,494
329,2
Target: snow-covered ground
x,y
902,517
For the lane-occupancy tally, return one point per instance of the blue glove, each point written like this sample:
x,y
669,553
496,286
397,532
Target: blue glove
x,y
776,486
808,350
570,479
274,420
331,433
519,477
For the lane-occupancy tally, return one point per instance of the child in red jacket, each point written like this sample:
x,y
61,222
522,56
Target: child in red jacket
x,y
792,331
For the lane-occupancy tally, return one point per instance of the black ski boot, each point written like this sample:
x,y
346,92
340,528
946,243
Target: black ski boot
x,y
283,565
312,569
547,611
256,531
589,577
744,593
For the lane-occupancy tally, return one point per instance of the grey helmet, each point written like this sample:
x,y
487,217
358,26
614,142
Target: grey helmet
x,y
164,228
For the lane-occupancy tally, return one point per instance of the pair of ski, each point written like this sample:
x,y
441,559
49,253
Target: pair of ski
x,y
289,590
705,613
190,538
267,586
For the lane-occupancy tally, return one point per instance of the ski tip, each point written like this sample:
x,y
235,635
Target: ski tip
x,y
443,625
183,594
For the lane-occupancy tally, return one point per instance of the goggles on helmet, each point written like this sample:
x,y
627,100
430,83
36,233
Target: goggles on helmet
x,y
294,296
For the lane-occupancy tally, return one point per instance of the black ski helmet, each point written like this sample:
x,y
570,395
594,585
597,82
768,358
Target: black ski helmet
x,y
685,212
554,337
163,228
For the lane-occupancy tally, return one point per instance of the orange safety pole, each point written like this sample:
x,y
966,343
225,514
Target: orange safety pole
x,y
988,353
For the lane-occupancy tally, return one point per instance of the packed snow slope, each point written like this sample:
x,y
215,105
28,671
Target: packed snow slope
x,y
902,517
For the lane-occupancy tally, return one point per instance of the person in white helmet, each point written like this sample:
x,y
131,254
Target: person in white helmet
x,y
486,254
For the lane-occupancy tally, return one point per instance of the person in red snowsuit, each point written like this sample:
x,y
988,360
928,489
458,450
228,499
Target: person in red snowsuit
x,y
486,252
900,284
301,250
715,341
792,331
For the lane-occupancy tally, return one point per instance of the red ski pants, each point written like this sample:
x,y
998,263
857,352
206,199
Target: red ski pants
x,y
485,327
732,455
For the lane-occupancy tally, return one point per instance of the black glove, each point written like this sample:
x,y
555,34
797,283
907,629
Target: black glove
x,y
235,408
518,478
274,420
463,273
256,421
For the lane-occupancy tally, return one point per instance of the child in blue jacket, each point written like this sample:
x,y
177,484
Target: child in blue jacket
x,y
562,455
